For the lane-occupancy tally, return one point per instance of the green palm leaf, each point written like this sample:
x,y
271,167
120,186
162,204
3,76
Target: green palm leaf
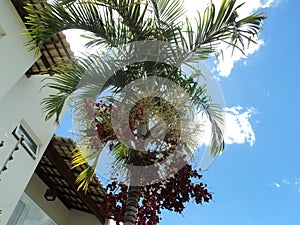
x,y
113,23
56,17
214,28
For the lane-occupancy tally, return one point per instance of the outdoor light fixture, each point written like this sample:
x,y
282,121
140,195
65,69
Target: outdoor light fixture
x,y
2,32
50,194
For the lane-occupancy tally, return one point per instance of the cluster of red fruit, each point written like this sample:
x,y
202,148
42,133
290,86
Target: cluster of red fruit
x,y
101,114
170,194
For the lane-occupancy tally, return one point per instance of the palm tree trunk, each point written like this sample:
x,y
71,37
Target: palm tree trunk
x,y
132,202
132,205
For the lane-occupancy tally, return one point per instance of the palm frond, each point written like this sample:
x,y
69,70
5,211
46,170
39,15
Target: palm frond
x,y
53,18
83,157
167,12
64,83
84,178
215,27
204,104
114,23
133,14
78,79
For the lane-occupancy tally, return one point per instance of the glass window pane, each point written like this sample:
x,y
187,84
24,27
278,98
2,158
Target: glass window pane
x,y
28,213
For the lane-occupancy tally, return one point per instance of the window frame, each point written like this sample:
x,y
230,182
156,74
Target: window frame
x,y
30,141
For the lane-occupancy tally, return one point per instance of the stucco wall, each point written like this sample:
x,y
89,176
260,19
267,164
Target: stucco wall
x,y
77,217
56,210
15,59
20,98
21,102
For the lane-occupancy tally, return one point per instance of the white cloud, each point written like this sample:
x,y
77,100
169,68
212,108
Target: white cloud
x,y
296,182
277,185
285,181
270,3
192,6
225,66
292,184
238,129
76,41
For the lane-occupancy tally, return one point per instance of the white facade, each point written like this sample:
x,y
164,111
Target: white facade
x,y
20,99
56,210
15,59
21,102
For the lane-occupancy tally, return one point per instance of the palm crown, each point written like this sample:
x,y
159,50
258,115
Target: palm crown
x,y
114,23
117,22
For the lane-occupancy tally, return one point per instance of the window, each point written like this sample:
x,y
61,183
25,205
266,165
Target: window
x,y
30,141
28,213
2,32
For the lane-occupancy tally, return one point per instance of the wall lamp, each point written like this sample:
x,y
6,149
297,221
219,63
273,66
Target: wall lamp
x,y
50,194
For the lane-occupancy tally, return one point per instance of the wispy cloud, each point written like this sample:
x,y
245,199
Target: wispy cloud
x,y
293,184
270,3
238,129
285,181
237,126
225,66
192,6
277,185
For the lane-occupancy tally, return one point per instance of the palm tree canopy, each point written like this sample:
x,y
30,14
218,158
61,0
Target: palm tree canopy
x,y
113,23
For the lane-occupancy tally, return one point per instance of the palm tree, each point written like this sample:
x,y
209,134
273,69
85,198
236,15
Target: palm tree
x,y
113,23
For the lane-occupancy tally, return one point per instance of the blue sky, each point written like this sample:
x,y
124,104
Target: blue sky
x,y
260,184
257,179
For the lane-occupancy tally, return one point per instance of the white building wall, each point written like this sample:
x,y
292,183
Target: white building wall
x,y
56,210
21,102
77,217
20,99
15,59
